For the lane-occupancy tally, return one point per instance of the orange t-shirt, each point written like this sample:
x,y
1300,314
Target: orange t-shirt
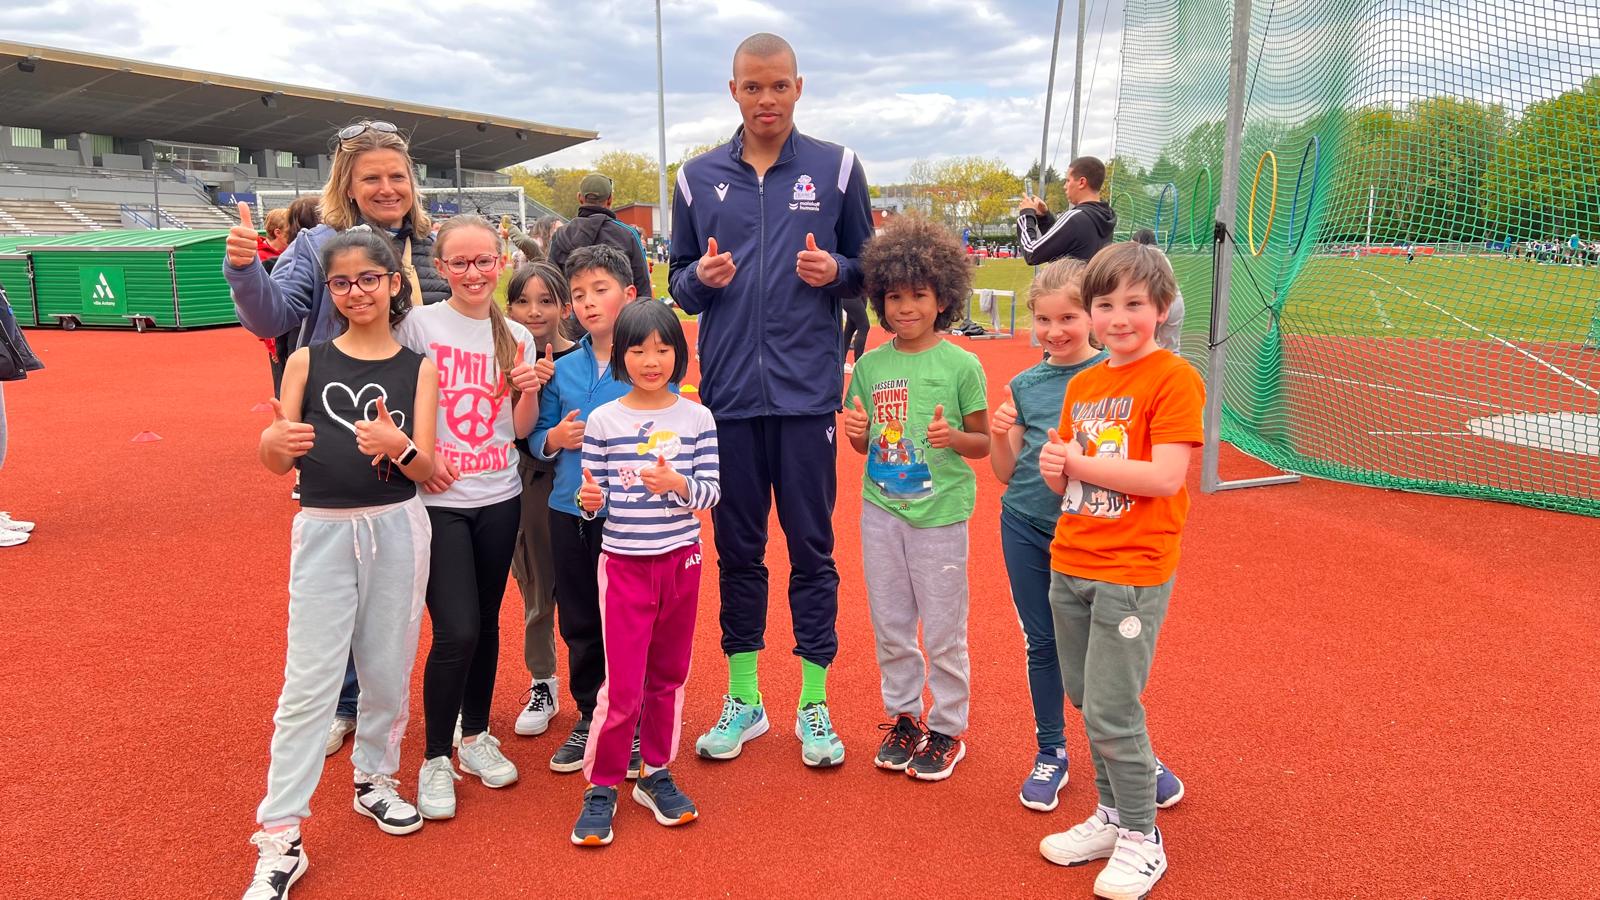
x,y
1107,535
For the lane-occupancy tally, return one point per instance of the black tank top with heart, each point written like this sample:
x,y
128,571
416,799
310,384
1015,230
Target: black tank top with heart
x,y
341,391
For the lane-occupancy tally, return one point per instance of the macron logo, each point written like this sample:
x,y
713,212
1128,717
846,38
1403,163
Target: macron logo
x,y
722,192
102,291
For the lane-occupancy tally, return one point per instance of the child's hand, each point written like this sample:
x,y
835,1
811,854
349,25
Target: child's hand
x,y
815,267
939,430
444,475
715,269
567,434
855,422
590,496
1075,455
380,437
286,438
1053,457
524,377
661,478
545,368
241,244
1005,416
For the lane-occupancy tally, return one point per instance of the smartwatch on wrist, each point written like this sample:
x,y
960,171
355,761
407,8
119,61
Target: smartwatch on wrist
x,y
409,454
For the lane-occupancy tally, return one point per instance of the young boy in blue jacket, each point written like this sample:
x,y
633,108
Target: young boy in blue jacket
x,y
767,229
601,280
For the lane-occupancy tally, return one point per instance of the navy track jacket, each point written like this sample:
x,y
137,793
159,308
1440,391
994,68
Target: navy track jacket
x,y
769,342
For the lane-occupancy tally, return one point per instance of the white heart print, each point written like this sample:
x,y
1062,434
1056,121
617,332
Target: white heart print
x,y
368,410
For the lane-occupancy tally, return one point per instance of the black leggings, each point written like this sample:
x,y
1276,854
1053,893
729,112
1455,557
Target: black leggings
x,y
575,547
470,560
855,327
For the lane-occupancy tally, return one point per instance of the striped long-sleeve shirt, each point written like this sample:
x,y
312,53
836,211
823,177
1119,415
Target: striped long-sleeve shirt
x,y
619,442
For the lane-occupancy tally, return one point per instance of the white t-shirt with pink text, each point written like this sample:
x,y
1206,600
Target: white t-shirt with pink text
x,y
475,430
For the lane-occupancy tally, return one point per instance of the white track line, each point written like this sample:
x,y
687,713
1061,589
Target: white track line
x,y
1422,433
1382,314
1398,390
1493,337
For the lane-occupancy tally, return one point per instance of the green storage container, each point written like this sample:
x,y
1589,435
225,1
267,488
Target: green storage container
x,y
16,274
166,279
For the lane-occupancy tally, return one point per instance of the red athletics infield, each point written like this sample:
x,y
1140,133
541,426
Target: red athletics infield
x,y
1368,694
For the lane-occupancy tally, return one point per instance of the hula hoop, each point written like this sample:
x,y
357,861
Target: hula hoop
x,y
1161,200
1196,212
1272,211
1311,196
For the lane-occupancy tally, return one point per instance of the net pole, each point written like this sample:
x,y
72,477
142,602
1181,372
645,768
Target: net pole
x,y
1049,94
1216,367
1077,77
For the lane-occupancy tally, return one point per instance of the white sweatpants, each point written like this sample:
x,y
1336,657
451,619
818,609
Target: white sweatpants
x,y
357,582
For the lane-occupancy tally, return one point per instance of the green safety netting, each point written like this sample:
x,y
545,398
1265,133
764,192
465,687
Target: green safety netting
x,y
1415,296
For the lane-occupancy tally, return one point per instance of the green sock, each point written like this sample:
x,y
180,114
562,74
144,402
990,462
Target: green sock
x,y
813,683
742,683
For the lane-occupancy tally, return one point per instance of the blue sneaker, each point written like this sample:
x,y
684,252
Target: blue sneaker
x,y
657,793
820,747
1042,789
740,722
1169,788
594,823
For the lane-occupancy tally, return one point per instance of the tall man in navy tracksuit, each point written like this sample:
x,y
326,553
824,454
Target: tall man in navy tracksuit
x,y
766,231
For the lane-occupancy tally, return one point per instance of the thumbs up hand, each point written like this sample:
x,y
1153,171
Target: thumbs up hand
x,y
1005,416
715,270
241,243
524,377
566,435
285,438
661,478
545,368
1053,457
591,496
380,437
939,429
856,423
816,267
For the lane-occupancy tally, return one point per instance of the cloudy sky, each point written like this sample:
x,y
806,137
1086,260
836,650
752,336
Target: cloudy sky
x,y
941,78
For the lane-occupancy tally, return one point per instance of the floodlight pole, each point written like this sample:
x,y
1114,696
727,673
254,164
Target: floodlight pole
x,y
665,211
458,182
1077,77
1049,94
1217,360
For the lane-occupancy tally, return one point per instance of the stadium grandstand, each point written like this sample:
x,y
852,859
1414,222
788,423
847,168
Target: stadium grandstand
x,y
91,143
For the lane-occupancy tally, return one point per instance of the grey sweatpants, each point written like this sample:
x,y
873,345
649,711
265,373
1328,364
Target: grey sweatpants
x,y
919,575
533,566
357,582
1106,641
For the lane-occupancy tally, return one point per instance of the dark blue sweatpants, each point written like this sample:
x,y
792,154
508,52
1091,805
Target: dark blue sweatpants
x,y
790,459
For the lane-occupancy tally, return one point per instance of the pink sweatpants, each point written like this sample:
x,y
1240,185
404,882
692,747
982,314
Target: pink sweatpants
x,y
647,610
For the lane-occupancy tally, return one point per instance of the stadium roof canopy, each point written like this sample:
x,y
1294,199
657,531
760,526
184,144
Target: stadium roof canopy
x,y
66,92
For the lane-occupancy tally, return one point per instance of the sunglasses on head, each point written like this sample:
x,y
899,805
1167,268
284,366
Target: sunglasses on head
x,y
350,132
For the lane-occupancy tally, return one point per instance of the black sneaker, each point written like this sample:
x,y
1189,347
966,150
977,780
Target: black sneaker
x,y
593,828
902,738
635,761
279,865
937,758
569,756
378,798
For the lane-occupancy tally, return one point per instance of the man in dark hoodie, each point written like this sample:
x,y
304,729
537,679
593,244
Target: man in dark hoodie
x,y
597,224
1081,231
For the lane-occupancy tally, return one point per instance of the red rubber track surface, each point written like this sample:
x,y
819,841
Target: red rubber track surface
x,y
1368,694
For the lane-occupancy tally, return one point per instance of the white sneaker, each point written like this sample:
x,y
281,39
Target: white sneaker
x,y
280,864
542,707
378,798
13,538
436,789
1136,865
9,524
482,757
1093,838
341,729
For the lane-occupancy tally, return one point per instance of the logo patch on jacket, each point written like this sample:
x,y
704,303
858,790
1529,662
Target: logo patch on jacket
x,y
805,195
722,191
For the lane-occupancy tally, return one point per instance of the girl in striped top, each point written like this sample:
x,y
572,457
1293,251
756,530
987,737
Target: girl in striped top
x,y
650,461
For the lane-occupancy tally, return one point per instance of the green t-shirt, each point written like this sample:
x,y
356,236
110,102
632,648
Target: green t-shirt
x,y
905,476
